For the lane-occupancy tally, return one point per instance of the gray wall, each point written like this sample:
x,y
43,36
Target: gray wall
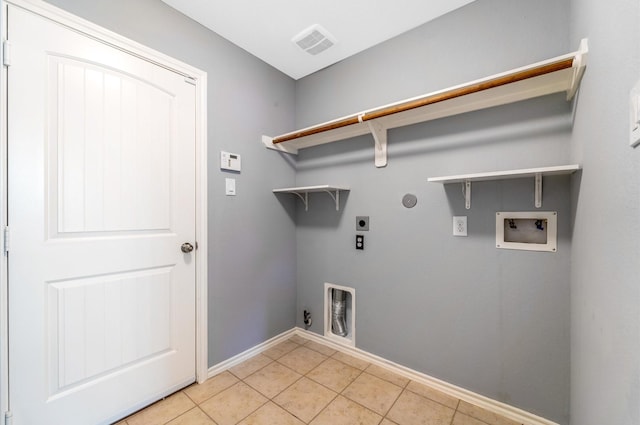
x,y
252,292
605,290
492,321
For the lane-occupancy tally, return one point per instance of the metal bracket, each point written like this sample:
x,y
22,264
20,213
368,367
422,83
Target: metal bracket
x,y
304,196
466,191
379,133
336,198
538,190
305,199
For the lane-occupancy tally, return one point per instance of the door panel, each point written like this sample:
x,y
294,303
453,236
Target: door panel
x,y
110,150
101,194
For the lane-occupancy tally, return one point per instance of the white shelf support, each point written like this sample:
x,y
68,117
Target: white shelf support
x,y
466,191
336,198
303,193
304,199
579,65
379,134
538,190
281,147
536,173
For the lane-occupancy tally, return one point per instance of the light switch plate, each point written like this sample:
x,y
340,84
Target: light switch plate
x,y
230,161
230,187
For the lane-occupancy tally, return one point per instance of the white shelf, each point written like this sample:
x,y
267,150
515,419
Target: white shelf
x,y
303,193
559,74
536,173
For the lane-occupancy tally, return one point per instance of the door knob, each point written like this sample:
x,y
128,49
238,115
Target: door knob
x,y
186,247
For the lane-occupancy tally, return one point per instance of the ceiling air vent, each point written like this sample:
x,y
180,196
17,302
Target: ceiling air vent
x,y
314,40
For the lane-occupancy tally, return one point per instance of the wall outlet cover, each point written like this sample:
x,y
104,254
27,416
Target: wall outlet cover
x,y
460,225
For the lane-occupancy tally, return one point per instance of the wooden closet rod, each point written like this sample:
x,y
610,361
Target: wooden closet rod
x,y
439,97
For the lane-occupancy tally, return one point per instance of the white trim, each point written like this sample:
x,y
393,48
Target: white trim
x,y
502,409
199,77
247,354
202,315
4,288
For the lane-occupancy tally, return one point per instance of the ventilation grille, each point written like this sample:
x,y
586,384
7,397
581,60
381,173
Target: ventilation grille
x,y
314,40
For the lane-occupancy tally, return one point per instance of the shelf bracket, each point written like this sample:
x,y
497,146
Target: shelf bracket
x,y
466,191
538,190
336,198
268,142
379,133
305,199
579,64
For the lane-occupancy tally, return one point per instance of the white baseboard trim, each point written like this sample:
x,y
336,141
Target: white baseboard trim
x,y
245,355
502,409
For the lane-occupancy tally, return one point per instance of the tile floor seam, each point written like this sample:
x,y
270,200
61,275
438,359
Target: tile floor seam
x,y
392,405
362,405
205,413
283,390
250,413
324,408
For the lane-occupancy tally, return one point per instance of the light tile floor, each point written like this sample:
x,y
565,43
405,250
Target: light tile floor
x,y
303,382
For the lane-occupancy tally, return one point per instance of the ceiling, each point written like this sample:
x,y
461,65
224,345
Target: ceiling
x,y
266,28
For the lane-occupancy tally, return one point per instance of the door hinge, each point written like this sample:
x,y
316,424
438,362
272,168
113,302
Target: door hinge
x,y
8,418
6,238
6,53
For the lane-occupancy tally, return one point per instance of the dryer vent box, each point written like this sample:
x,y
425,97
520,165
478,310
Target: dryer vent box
x,y
528,231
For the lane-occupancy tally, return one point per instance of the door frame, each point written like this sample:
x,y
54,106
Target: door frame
x,y
195,76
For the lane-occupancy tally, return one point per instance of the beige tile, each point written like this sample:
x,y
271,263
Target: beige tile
x,y
271,380
233,404
433,394
342,411
162,411
280,350
302,359
387,375
386,421
484,415
250,366
271,414
320,348
194,416
298,339
373,393
462,419
412,409
212,386
334,374
305,399
351,361
122,422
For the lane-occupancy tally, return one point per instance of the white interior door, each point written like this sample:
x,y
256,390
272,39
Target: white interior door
x,y
101,196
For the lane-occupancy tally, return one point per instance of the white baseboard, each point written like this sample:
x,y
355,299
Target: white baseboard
x,y
502,409
245,355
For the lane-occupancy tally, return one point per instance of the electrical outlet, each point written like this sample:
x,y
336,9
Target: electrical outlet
x,y
460,225
359,241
